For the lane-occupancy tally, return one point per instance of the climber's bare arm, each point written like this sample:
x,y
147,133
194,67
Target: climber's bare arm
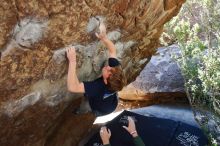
x,y
73,84
108,43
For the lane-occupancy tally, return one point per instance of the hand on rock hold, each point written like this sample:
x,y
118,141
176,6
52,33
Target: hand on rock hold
x,y
71,55
102,35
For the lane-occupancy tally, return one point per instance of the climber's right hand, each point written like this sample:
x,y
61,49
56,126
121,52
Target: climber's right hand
x,y
71,54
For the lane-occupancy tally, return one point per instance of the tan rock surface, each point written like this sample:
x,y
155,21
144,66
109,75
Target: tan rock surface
x,y
33,66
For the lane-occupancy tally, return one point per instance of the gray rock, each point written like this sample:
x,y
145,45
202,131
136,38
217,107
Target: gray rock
x,y
114,35
29,31
209,121
161,74
13,108
26,33
94,23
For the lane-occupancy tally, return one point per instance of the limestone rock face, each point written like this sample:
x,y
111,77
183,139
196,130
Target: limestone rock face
x,y
33,66
160,77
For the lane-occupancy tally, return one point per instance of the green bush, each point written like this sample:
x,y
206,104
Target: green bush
x,y
198,35
197,32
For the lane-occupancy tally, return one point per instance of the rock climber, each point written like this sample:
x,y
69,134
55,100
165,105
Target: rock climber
x,y
101,94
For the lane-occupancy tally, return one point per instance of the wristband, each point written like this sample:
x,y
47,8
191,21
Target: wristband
x,y
133,132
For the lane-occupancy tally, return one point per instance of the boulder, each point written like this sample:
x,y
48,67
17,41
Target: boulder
x,y
161,77
33,38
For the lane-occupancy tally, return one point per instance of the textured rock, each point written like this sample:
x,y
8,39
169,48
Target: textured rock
x,y
208,120
160,77
33,65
